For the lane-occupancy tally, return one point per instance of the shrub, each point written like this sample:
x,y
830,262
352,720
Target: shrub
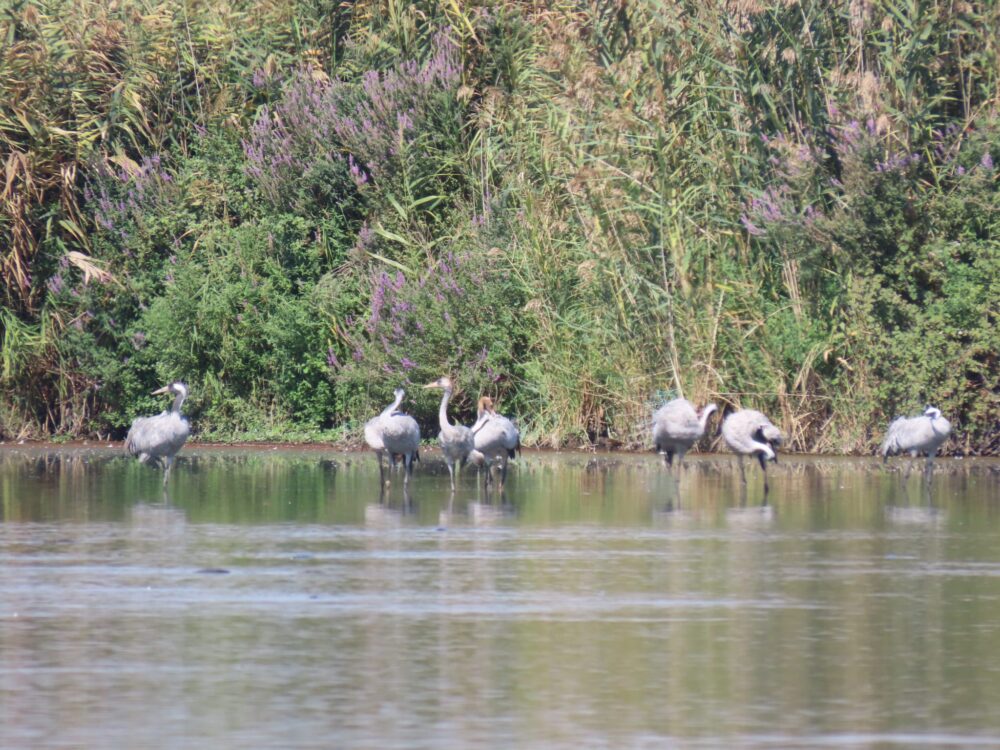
x,y
333,138
242,330
458,317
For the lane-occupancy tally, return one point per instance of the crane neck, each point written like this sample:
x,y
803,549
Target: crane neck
x,y
940,425
393,406
178,401
762,447
760,443
443,410
706,412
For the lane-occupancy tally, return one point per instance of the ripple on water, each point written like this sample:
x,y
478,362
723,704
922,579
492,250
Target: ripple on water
x,y
272,600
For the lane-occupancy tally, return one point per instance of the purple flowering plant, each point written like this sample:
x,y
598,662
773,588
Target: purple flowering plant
x,y
365,128
457,317
122,198
849,194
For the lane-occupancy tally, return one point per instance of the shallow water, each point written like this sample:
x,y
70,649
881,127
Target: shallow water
x,y
272,599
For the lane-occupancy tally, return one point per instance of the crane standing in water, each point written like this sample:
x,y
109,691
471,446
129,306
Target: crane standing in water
x,y
677,426
495,437
160,437
394,432
457,441
915,435
750,433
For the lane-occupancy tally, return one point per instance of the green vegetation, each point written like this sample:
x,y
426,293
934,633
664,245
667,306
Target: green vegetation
x,y
580,209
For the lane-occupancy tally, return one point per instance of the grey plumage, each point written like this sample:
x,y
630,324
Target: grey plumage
x,y
677,426
749,433
496,437
457,441
394,432
916,435
158,439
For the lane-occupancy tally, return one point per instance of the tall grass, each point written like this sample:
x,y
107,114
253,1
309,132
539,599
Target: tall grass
x,y
785,204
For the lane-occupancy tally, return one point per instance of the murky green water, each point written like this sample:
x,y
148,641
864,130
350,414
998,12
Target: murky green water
x,y
272,600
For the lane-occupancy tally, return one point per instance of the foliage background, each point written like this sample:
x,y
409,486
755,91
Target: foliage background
x,y
580,208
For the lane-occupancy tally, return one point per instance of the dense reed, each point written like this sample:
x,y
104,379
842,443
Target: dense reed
x,y
582,209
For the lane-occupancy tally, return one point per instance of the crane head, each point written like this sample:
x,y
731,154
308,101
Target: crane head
x,y
443,382
177,388
486,405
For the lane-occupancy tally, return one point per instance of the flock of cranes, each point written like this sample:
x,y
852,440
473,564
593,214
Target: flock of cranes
x,y
677,426
494,439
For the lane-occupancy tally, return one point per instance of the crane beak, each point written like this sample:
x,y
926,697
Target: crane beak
x,y
432,385
160,391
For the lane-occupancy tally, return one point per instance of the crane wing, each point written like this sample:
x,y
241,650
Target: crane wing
x,y
152,437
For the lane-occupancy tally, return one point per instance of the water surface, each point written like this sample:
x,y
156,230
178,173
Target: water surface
x,y
274,599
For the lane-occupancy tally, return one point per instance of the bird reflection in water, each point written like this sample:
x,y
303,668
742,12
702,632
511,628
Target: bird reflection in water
x,y
670,508
387,510
487,514
750,517
911,513
157,521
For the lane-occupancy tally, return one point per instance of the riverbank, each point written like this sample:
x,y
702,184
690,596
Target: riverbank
x,y
530,459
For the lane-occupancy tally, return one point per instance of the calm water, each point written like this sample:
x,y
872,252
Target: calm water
x,y
273,600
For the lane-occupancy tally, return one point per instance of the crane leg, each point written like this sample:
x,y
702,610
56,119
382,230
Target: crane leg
x,y
407,467
381,468
166,472
743,472
451,474
503,471
908,469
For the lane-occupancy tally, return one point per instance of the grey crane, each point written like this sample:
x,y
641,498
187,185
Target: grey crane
x,y
677,426
496,437
156,439
394,432
457,441
916,435
750,433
